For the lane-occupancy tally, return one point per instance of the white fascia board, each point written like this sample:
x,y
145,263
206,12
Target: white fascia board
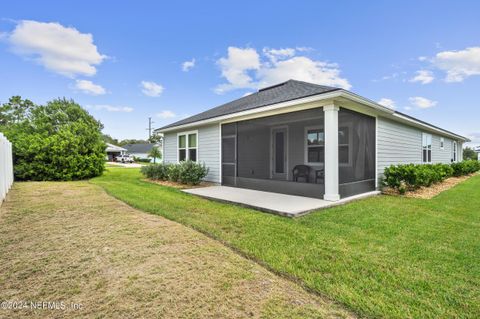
x,y
316,98
430,128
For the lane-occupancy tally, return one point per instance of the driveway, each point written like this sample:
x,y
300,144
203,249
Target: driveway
x,y
127,165
71,244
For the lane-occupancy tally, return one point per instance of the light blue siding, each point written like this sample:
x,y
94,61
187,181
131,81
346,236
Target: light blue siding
x,y
398,143
208,149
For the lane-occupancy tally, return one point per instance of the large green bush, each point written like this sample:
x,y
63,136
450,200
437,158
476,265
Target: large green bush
x,y
56,141
414,176
465,167
187,172
156,171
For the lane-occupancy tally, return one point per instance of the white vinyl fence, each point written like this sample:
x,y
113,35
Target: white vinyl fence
x,y
6,167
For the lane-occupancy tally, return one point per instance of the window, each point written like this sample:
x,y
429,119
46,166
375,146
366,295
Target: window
x,y
442,143
344,145
187,146
315,145
426,148
454,147
315,150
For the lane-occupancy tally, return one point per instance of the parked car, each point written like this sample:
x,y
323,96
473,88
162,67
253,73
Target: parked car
x,y
124,158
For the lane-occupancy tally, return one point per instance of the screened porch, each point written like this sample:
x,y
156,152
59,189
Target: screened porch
x,y
286,153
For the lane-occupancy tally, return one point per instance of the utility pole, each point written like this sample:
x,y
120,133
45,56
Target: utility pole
x,y
150,122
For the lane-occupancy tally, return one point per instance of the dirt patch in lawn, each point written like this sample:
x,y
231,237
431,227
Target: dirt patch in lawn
x,y
429,192
179,185
72,243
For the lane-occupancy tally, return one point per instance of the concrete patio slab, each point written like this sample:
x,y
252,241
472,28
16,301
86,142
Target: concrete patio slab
x,y
281,204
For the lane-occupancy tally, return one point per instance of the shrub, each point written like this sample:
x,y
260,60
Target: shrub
x,y
141,160
191,172
465,167
56,141
412,176
156,171
174,172
186,172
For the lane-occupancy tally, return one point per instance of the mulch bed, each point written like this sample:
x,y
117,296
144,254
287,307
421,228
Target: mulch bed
x,y
179,185
429,192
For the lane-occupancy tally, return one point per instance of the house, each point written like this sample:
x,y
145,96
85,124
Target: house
x,y
113,151
140,150
477,150
305,139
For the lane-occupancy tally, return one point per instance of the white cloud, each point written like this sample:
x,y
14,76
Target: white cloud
x,y
235,68
423,76
188,65
111,108
63,50
247,94
245,69
89,87
387,102
151,88
275,54
303,69
166,114
422,102
458,65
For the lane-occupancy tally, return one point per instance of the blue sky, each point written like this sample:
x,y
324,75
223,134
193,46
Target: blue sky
x,y
125,61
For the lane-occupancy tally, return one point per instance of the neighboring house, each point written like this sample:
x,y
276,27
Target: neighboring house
x,y
113,151
477,150
140,150
306,139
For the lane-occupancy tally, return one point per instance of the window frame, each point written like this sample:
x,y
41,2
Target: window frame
x,y
187,145
306,146
455,151
321,127
425,146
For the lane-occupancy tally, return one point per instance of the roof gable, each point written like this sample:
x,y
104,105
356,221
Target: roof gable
x,y
286,91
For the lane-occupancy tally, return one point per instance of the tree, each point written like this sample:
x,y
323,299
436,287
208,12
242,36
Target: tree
x,y
155,153
57,141
108,139
14,111
155,138
469,153
131,141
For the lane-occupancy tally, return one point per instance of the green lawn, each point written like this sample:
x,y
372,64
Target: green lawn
x,y
381,257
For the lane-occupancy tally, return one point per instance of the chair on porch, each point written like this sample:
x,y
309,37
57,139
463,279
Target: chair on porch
x,y
319,175
301,171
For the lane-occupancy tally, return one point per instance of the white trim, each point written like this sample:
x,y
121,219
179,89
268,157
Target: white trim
x,y
426,146
331,167
277,108
455,151
220,152
314,127
187,144
271,166
434,129
376,152
305,144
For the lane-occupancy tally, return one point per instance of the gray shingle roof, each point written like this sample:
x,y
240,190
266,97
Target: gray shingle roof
x,y
286,91
138,148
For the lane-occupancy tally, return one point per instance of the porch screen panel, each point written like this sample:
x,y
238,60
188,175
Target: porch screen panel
x,y
229,153
261,142
356,149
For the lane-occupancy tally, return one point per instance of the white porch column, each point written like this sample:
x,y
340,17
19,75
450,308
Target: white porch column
x,y
331,152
